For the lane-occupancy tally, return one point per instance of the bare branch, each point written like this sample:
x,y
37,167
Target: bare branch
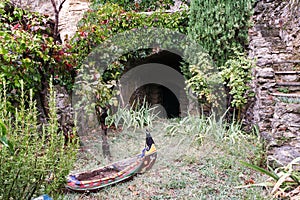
x,y
54,6
56,12
61,5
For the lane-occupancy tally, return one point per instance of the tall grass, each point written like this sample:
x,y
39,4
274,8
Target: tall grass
x,y
201,127
138,115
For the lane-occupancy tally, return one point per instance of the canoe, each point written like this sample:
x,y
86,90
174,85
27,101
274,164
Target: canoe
x,y
116,172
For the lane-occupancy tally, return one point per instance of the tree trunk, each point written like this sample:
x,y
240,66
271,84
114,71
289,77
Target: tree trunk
x,y
56,11
101,116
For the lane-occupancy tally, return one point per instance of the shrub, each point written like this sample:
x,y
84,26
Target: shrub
x,y
40,159
237,74
141,5
28,52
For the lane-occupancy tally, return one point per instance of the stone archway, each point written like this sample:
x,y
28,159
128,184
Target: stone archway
x,y
167,92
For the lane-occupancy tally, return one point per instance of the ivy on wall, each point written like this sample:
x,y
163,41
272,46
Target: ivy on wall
x,y
99,26
141,5
220,27
110,19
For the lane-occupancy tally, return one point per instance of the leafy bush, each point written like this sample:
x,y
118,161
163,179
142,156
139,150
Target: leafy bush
x,y
141,5
237,74
220,27
28,52
40,159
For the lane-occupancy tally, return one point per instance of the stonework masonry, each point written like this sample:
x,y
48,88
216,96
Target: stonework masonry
x,y
274,43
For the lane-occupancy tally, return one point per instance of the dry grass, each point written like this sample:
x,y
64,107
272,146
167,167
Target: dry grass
x,y
183,170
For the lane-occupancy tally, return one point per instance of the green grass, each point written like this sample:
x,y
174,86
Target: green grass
x,y
184,169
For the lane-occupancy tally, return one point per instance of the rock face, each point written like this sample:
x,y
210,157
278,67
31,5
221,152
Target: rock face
x,y
274,42
70,14
64,111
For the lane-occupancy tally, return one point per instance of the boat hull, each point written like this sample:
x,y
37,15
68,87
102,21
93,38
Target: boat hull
x,y
120,171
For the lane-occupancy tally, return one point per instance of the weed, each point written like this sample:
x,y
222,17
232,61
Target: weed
x,y
285,181
37,161
283,89
140,117
201,127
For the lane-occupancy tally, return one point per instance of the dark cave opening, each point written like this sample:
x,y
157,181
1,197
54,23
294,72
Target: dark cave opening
x,y
158,95
170,103
169,93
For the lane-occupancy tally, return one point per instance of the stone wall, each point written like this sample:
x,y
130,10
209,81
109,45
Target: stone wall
x,y
274,43
70,14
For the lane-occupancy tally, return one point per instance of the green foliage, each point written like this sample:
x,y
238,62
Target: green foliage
x,y
3,139
261,170
40,159
28,52
220,27
137,116
237,74
284,181
200,77
202,127
104,22
283,90
141,5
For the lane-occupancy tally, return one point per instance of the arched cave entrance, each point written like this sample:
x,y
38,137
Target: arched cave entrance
x,y
156,93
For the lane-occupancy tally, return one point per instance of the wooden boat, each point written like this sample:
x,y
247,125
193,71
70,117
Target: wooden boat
x,y
115,172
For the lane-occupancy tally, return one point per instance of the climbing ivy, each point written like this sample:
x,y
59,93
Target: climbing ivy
x,y
220,27
100,24
141,5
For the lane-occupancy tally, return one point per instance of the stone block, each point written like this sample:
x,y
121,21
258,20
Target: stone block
x,y
295,108
268,85
265,73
